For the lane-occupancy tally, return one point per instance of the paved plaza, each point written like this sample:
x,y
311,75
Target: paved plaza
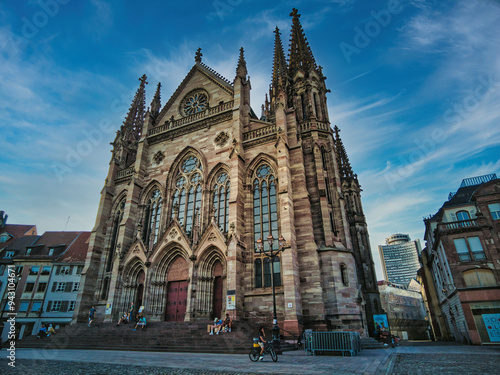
x,y
411,358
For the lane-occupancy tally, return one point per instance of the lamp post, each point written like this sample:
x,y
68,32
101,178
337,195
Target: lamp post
x,y
271,254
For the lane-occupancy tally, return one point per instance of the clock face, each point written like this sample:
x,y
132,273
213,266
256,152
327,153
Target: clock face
x,y
195,103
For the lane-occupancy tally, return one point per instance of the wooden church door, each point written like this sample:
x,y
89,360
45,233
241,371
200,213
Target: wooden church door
x,y
177,288
218,289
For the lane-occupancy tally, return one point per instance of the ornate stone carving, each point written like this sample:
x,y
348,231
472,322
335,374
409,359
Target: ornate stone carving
x,y
212,237
173,233
221,139
158,158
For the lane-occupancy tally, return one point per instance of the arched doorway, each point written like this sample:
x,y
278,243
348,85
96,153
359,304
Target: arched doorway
x,y
177,287
140,289
217,299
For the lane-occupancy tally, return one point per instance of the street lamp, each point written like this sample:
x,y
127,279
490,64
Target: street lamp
x,y
271,254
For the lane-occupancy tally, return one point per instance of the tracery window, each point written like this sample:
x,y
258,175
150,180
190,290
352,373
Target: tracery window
x,y
187,193
152,218
265,215
114,239
221,200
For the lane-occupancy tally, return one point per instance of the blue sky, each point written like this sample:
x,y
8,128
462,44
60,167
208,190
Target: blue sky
x,y
415,91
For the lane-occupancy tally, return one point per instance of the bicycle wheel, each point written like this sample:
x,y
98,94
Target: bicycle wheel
x,y
274,356
254,355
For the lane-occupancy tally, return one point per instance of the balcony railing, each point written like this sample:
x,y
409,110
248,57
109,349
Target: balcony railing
x,y
192,118
458,224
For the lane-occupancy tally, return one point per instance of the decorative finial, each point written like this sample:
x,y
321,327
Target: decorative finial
x,y
198,55
241,70
295,13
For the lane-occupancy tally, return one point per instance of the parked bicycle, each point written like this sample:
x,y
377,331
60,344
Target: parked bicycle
x,y
269,349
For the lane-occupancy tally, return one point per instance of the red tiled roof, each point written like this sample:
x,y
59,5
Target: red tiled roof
x,y
57,240
16,231
77,252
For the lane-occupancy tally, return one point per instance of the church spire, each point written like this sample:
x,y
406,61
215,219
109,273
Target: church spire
x,y
300,55
132,126
280,67
156,102
241,70
345,169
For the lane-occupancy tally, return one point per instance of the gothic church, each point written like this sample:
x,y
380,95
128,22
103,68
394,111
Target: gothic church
x,y
194,184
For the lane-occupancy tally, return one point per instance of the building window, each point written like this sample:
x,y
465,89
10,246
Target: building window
x,y
469,249
495,210
187,194
56,306
343,274
479,278
64,270
71,306
51,251
152,218
60,287
221,201
9,254
265,215
34,270
45,270
41,287
114,239
264,272
23,307
29,287
36,306
462,216
76,287
258,273
2,269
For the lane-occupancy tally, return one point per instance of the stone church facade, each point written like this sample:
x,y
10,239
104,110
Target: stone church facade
x,y
193,184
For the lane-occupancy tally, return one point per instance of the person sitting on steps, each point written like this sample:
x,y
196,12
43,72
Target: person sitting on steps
x,y
123,319
216,327
141,322
226,323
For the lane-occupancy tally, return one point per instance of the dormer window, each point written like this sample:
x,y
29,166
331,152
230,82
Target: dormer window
x,y
9,254
28,251
51,251
4,237
463,215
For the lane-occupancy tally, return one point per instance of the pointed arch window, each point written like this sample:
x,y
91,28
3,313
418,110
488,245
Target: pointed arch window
x,y
187,192
265,216
221,201
152,218
118,217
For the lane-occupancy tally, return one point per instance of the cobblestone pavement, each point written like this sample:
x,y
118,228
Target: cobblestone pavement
x,y
424,358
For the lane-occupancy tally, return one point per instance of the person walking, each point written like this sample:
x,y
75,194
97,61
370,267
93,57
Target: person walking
x,y
91,315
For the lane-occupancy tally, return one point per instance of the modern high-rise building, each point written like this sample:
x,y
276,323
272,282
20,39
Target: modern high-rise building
x,y
399,258
194,186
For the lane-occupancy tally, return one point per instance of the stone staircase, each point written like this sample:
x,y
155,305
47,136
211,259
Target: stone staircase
x,y
371,343
157,336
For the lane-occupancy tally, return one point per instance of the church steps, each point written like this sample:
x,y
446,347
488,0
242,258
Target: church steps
x,y
159,336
